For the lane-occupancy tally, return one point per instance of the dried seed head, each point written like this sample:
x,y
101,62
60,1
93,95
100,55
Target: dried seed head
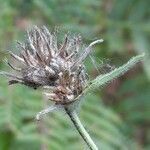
x,y
45,64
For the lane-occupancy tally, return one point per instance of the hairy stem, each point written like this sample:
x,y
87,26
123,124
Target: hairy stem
x,y
84,134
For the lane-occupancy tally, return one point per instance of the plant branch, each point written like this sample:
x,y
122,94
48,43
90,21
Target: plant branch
x,y
78,125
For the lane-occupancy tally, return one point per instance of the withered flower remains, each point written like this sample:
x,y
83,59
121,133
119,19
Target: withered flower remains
x,y
49,64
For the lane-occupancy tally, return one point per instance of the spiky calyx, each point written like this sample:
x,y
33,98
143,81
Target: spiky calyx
x,y
48,64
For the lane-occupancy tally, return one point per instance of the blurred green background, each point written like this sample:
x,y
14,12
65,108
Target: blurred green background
x,y
117,116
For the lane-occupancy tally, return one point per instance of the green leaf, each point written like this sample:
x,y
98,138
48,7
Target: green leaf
x,y
103,79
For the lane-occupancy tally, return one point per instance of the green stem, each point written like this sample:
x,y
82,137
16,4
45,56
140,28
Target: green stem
x,y
84,134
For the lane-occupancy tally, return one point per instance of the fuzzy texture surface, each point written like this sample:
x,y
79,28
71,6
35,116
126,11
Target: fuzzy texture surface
x,y
55,66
